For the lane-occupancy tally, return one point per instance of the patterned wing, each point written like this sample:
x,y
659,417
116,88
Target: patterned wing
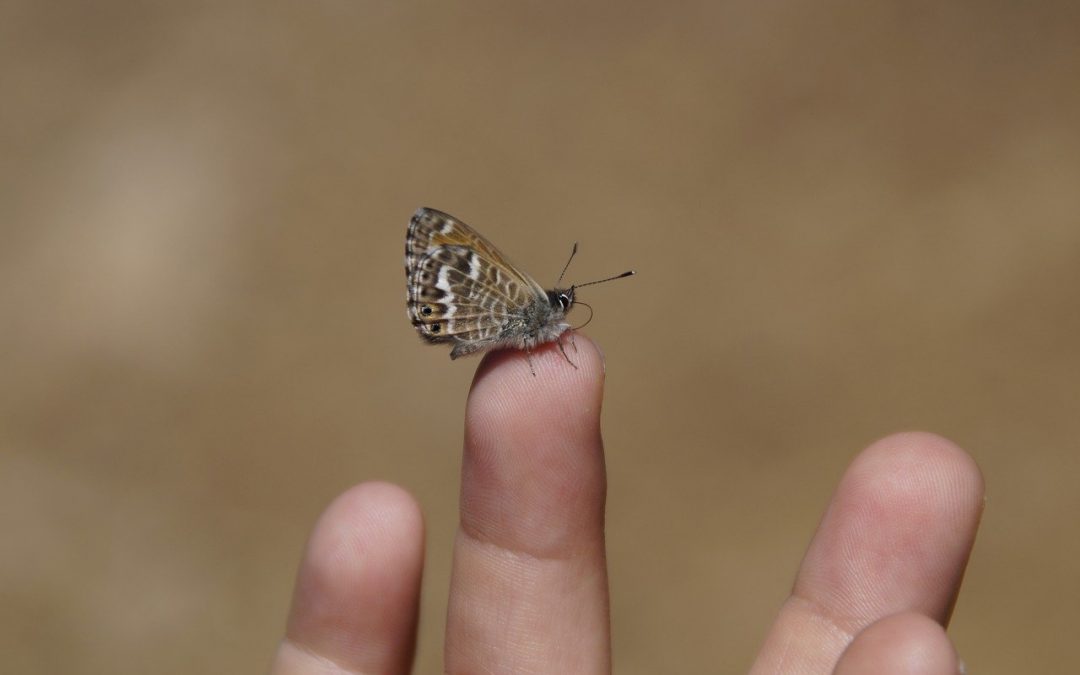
x,y
429,229
461,289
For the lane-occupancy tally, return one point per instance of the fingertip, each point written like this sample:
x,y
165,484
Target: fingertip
x,y
360,523
357,590
562,399
909,468
544,373
533,471
898,532
903,643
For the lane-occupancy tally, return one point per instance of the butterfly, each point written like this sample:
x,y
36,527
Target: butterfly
x,y
463,291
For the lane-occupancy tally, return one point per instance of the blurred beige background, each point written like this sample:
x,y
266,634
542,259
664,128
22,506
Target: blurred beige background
x,y
848,219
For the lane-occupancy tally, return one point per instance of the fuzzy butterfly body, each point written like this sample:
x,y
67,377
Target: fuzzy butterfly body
x,y
462,291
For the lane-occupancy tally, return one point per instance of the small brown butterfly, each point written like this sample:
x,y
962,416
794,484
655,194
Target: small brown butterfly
x,y
463,291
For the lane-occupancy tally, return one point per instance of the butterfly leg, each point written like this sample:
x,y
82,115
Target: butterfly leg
x,y
561,349
528,357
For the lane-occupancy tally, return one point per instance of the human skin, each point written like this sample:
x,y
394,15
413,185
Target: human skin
x,y
529,590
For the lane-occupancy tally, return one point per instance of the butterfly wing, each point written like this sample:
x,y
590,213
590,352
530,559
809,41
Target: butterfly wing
x,y
430,229
461,289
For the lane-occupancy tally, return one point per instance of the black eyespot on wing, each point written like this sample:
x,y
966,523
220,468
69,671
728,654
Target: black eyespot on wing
x,y
425,310
435,327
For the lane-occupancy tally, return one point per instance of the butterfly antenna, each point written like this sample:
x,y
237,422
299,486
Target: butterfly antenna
x,y
628,273
567,265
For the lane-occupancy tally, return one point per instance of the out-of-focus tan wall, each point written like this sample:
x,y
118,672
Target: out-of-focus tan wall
x,y
848,219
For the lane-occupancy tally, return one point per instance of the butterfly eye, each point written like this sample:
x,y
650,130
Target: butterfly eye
x,y
564,300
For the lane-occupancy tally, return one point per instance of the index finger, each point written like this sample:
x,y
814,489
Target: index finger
x,y
896,538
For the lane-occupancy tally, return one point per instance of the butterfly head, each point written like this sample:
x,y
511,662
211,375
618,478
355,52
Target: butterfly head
x,y
561,298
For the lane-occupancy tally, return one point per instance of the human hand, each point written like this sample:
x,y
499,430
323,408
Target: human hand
x,y
529,586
